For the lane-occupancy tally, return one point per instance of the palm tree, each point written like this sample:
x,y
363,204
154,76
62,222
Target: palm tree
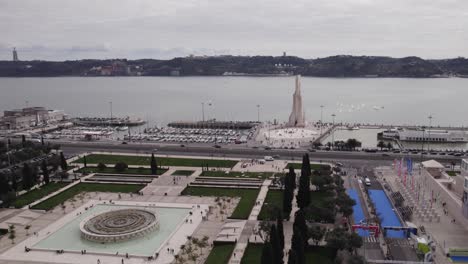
x,y
27,227
203,243
12,235
381,145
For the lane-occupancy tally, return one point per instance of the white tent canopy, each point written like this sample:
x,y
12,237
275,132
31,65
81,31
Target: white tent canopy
x,y
432,164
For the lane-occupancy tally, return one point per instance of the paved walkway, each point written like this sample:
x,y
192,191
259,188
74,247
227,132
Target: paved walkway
x,y
241,244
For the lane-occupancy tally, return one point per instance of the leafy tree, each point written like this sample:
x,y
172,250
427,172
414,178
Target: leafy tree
x,y
381,145
337,239
63,162
27,176
292,258
45,172
101,166
356,259
303,195
154,165
353,143
389,145
120,166
267,254
354,241
4,185
316,233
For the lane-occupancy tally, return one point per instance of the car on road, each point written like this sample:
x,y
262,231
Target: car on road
x,y
217,146
267,148
155,150
367,181
339,164
385,155
276,156
312,150
124,143
182,145
268,158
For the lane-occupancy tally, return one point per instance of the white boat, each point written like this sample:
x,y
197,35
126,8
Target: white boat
x,y
429,135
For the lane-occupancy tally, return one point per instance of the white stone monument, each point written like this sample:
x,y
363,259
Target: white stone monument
x,y
297,117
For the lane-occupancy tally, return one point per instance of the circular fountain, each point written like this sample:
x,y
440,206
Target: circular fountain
x,y
119,225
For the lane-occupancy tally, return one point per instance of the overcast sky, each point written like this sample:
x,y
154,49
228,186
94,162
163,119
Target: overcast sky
x,y
63,29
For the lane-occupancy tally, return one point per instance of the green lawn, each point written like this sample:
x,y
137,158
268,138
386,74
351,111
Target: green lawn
x,y
183,172
245,205
142,171
86,187
273,199
37,194
239,174
320,255
452,173
252,254
314,255
220,254
162,161
313,166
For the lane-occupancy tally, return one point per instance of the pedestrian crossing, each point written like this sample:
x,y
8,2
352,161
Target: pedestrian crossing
x,y
370,239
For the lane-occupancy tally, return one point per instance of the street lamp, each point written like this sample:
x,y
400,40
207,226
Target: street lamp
x,y
321,119
429,132
110,103
333,131
258,113
203,111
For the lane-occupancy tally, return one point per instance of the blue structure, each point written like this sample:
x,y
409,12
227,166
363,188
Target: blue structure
x,y
387,215
358,213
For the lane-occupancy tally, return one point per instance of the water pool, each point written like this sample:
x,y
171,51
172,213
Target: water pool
x,y
68,237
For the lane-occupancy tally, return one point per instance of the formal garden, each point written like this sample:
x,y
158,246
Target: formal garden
x,y
237,174
161,161
86,187
245,205
38,193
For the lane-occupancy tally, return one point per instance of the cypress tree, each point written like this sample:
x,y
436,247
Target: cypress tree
x,y
292,258
297,245
280,229
276,246
85,164
300,224
63,162
267,254
292,175
303,195
27,176
154,165
288,195
45,172
23,140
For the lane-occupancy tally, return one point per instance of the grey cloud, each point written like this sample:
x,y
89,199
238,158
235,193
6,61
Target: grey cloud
x,y
161,28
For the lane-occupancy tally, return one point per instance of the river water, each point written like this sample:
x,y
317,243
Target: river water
x,y
160,100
